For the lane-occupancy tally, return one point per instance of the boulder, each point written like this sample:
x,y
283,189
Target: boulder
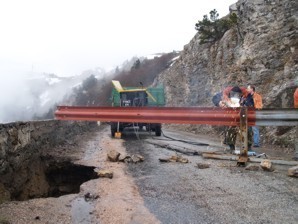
x,y
293,171
113,155
137,158
174,158
203,165
266,165
105,173
88,196
122,158
131,159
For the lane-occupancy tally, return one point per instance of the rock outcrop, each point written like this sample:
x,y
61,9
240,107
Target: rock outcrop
x,y
262,49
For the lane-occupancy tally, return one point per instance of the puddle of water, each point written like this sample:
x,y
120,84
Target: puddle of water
x,y
80,211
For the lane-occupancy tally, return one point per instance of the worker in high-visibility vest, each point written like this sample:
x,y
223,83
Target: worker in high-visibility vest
x,y
258,104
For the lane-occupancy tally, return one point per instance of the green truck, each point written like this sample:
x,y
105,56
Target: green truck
x,y
136,97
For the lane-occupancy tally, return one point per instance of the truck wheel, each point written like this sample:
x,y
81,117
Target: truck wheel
x,y
113,129
158,130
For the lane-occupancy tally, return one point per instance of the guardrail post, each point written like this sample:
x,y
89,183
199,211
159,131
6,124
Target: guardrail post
x,y
243,157
242,117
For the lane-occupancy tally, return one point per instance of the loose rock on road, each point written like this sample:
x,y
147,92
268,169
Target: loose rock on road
x,y
165,192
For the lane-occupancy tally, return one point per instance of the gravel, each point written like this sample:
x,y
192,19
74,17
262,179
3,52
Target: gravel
x,y
223,193
155,192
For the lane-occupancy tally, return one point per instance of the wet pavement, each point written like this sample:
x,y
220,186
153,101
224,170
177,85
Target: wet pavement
x,y
164,192
223,193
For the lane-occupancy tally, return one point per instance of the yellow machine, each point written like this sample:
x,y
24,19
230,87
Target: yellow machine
x,y
136,97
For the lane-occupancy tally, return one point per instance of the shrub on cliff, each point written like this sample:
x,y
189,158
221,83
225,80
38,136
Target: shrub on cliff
x,y
213,29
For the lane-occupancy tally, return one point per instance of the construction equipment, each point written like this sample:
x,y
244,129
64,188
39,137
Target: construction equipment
x,y
136,97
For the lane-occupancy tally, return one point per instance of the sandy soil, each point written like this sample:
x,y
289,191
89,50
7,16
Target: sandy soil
x,y
114,200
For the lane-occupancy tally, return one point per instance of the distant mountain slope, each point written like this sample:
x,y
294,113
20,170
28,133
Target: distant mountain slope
x,y
33,96
97,92
37,96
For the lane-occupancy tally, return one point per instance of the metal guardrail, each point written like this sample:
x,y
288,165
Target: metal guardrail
x,y
242,117
277,117
180,115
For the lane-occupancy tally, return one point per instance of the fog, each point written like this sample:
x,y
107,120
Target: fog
x,y
68,37
31,96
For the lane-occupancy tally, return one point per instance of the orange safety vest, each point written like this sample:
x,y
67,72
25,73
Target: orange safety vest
x,y
258,103
296,98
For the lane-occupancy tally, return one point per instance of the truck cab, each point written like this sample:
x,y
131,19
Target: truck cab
x,y
136,97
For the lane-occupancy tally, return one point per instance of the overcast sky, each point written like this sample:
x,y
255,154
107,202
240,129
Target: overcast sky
x,y
66,37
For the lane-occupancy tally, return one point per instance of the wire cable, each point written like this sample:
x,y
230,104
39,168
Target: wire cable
x,y
136,131
188,142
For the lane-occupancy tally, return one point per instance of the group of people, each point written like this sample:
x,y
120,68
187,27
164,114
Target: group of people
x,y
246,96
236,97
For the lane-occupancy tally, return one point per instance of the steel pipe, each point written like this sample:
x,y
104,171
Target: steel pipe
x,y
180,115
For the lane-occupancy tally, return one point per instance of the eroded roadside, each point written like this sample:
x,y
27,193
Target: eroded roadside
x,y
101,200
119,199
155,192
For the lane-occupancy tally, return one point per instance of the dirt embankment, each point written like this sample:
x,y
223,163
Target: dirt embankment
x,y
23,150
105,200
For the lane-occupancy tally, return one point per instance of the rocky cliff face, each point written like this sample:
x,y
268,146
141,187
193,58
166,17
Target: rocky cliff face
x,y
262,50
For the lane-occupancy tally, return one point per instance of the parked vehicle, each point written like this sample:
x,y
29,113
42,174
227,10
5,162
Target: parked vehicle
x,y
136,97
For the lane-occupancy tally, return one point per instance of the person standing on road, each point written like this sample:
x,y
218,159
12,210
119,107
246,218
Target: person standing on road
x,y
258,104
233,97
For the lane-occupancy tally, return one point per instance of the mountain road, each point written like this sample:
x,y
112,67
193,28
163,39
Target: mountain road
x,y
173,184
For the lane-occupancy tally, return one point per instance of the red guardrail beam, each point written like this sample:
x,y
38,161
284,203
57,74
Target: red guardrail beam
x,y
177,115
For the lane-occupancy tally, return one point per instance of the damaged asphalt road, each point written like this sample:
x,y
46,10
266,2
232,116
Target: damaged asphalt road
x,y
223,193
163,192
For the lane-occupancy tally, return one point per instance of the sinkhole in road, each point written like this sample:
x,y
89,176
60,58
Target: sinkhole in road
x,y
54,179
66,178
